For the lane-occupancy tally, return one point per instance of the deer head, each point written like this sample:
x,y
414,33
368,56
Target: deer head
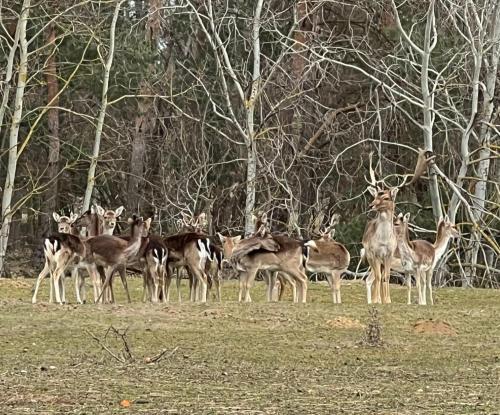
x,y
109,218
193,223
64,222
229,244
329,232
447,229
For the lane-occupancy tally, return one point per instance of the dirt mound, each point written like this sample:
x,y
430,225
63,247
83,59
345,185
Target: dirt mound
x,y
434,327
344,323
15,283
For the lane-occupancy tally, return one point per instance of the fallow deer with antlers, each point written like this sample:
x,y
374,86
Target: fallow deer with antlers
x,y
329,257
379,239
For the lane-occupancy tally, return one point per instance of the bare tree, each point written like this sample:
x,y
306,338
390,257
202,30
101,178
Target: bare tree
x,y
102,111
14,133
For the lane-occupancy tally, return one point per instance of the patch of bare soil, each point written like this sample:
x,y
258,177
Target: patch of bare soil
x,y
16,283
434,327
344,323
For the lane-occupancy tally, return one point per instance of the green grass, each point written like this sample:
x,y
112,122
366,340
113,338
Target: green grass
x,y
249,358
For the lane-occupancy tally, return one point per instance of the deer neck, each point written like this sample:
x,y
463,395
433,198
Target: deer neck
x,y
441,244
134,243
94,226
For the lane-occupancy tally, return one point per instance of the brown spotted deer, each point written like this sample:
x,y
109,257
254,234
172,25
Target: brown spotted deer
x,y
95,221
268,253
190,250
64,225
329,257
420,257
379,239
107,253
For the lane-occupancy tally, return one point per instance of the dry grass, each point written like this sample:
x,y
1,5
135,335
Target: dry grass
x,y
251,358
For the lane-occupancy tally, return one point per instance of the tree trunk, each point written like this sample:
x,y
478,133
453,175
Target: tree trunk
x,y
250,142
13,136
51,194
8,77
102,111
481,187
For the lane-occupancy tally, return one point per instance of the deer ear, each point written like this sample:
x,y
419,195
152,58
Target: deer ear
x,y
147,223
394,192
92,210
100,210
73,217
406,217
221,237
373,191
446,218
236,239
130,220
119,211
56,216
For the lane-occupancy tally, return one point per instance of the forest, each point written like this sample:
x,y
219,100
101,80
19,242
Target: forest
x,y
237,107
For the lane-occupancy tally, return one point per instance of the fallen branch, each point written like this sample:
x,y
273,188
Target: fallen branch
x,y
160,355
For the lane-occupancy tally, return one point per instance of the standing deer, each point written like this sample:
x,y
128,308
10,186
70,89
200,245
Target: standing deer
x,y
64,225
329,257
420,257
379,239
268,253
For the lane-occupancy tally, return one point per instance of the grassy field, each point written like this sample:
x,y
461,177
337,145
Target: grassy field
x,y
251,358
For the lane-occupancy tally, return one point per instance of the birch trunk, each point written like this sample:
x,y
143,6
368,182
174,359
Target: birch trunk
x,y
250,142
8,76
13,135
481,188
428,111
102,111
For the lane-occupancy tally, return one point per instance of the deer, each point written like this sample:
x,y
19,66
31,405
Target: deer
x,y
379,238
420,257
271,252
64,225
329,257
190,250
187,257
96,221
103,254
107,253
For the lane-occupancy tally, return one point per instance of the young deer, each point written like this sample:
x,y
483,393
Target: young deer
x,y
420,257
268,253
107,253
64,225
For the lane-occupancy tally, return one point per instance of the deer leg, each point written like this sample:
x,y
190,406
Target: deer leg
x,y
408,287
75,276
241,278
178,284
122,270
301,279
386,269
268,280
429,285
96,280
329,278
376,292
108,274
62,263
369,284
62,287
145,285
248,282
423,287
336,279
199,278
41,277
